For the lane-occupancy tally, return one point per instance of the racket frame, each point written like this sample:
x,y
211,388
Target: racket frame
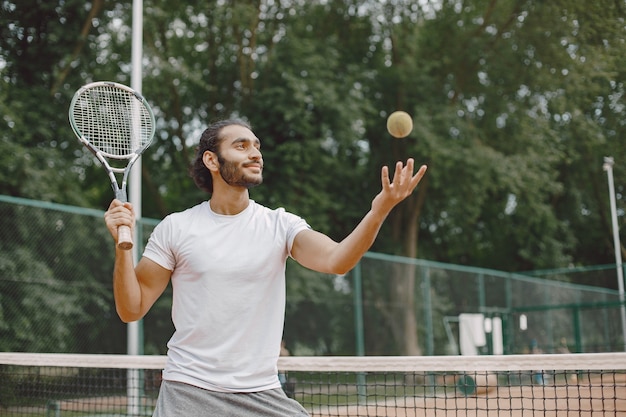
x,y
124,235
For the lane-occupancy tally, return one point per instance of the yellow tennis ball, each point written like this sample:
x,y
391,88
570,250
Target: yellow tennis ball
x,y
399,124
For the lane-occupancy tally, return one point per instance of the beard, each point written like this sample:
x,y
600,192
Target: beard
x,y
233,176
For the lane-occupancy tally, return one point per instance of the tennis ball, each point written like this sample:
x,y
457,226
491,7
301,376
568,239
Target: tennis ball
x,y
399,124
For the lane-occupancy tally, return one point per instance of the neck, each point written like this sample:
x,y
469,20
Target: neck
x,y
229,202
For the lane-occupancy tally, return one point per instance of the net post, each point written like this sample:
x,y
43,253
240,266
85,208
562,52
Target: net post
x,y
358,327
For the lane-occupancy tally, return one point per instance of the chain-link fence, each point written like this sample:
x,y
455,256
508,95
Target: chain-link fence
x,y
56,296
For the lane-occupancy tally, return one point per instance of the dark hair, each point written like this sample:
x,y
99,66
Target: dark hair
x,y
209,141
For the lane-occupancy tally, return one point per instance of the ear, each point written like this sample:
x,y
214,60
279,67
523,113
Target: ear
x,y
210,160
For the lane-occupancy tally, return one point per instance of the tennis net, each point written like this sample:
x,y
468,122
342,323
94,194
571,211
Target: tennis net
x,y
591,385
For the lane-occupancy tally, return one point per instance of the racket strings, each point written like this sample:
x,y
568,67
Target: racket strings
x,y
113,120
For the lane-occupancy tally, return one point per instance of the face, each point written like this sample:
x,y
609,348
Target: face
x,y
240,159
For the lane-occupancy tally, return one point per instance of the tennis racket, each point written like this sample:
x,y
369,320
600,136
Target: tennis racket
x,y
116,124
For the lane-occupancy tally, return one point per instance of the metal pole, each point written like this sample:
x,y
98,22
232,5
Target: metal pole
x,y
608,167
428,311
359,329
134,342
358,310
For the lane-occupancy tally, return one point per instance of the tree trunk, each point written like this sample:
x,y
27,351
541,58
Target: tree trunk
x,y
402,318
402,315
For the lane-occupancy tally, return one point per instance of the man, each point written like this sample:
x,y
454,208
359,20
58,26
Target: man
x,y
226,259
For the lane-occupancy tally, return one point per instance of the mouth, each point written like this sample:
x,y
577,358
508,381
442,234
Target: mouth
x,y
254,166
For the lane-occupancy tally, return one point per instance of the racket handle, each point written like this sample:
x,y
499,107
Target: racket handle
x,y
124,238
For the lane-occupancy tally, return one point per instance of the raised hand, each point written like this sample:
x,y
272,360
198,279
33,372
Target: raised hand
x,y
397,189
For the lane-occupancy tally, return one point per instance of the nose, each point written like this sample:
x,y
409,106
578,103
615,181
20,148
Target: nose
x,y
256,154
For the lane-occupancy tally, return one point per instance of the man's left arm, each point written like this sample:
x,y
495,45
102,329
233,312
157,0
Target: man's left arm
x,y
318,252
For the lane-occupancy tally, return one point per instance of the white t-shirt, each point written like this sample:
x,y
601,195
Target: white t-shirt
x,y
229,294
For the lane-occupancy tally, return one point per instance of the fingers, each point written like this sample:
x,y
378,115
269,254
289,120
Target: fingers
x,y
418,176
399,175
403,179
384,177
397,189
117,206
119,214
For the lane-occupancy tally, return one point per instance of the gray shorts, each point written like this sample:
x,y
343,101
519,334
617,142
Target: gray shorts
x,y
182,400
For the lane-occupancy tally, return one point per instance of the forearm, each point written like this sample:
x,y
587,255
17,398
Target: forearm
x,y
126,288
318,252
350,250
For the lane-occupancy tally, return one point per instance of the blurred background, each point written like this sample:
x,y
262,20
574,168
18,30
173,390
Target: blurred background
x,y
515,104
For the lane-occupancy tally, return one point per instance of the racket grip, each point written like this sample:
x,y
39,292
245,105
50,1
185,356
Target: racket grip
x,y
124,238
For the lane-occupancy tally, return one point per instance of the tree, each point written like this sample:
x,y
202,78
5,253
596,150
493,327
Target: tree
x,y
481,79
36,144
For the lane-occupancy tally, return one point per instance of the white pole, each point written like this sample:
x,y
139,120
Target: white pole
x,y
608,167
134,342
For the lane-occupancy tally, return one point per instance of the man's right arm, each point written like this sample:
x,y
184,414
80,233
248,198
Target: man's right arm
x,y
135,289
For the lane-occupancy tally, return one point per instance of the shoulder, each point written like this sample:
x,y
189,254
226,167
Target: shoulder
x,y
277,214
171,231
187,213
179,220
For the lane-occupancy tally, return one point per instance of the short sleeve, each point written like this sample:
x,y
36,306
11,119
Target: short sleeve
x,y
159,248
296,225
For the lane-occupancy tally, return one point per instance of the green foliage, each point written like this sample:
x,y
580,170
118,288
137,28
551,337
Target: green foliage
x,y
51,265
319,314
37,147
313,158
